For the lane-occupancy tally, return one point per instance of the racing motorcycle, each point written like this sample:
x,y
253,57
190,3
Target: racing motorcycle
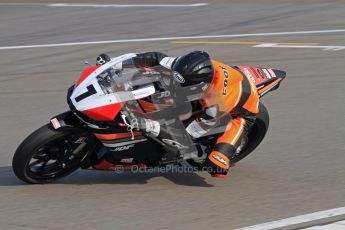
x,y
98,132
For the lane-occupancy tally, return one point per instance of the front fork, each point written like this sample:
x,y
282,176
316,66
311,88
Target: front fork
x,y
67,121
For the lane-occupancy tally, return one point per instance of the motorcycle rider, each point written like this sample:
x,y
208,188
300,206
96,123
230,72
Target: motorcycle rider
x,y
227,95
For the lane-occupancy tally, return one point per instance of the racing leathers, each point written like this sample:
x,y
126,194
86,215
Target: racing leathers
x,y
230,97
231,94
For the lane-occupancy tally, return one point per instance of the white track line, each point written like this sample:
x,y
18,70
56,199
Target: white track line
x,y
297,219
125,5
104,5
340,225
21,4
171,38
274,45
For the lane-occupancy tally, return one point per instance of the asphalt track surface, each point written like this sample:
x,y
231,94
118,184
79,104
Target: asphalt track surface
x,y
299,168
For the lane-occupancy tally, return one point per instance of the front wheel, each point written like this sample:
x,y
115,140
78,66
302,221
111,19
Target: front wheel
x,y
48,154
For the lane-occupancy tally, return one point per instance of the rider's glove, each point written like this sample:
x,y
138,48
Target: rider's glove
x,y
217,164
148,59
149,126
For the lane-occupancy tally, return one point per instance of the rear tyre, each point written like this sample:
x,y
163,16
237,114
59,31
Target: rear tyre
x,y
255,135
253,139
47,154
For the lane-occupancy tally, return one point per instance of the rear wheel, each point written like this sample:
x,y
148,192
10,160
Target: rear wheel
x,y
255,135
48,154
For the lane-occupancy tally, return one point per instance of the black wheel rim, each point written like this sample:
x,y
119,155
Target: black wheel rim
x,y
57,157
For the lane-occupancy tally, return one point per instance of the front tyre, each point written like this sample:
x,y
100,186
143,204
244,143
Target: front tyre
x,y
48,154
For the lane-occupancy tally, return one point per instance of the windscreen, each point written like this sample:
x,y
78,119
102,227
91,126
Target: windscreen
x,y
113,80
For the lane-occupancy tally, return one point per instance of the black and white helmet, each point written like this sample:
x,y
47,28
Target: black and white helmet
x,y
102,59
193,68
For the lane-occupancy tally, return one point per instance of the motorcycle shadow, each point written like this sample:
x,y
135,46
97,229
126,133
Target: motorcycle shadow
x,y
88,177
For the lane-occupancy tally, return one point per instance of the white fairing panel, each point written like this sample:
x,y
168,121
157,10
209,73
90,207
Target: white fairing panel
x,y
89,94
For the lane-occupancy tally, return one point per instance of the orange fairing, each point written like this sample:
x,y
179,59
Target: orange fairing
x,y
148,106
269,86
114,136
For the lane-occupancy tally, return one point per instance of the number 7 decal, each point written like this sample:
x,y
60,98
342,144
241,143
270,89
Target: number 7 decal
x,y
90,91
